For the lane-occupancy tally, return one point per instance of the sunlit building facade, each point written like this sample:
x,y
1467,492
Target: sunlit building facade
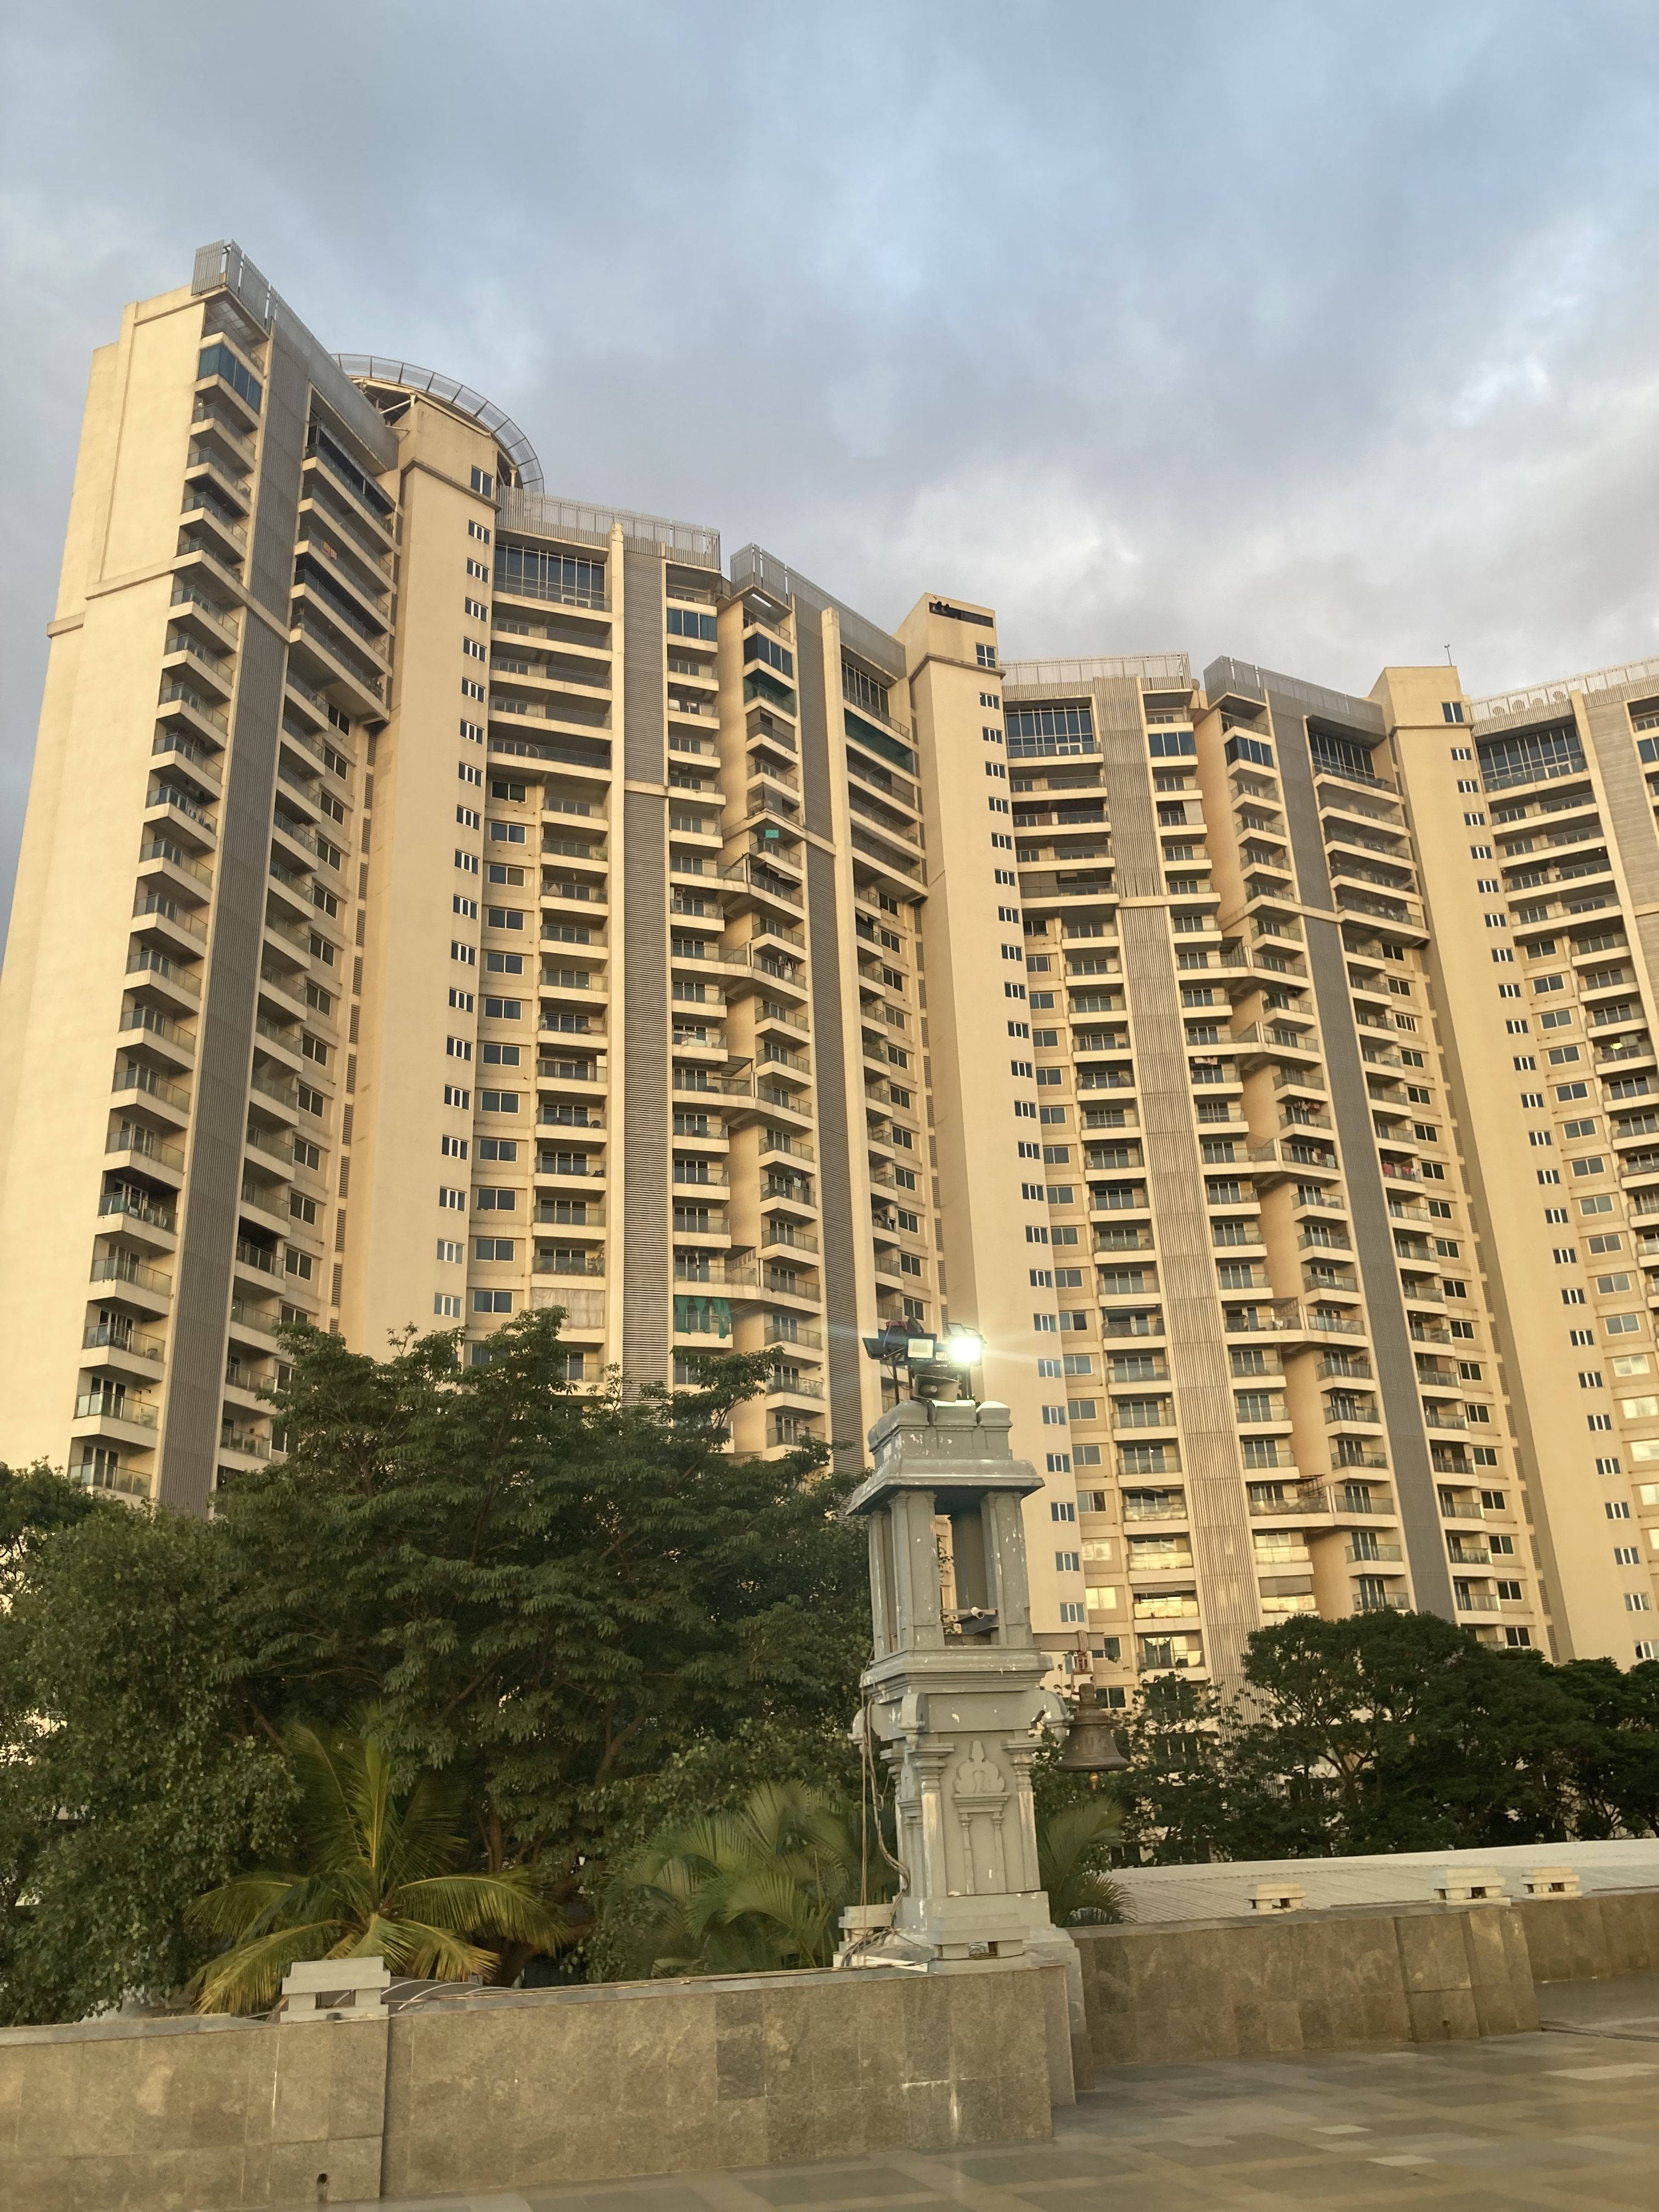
x,y
440,899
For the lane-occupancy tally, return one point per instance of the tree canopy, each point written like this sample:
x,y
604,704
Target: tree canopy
x,y
588,1625
1390,1732
546,1596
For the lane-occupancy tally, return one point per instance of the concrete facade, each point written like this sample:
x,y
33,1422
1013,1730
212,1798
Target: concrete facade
x,y
439,898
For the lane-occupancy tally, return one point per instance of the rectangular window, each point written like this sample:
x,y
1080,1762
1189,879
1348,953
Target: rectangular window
x,y
447,1306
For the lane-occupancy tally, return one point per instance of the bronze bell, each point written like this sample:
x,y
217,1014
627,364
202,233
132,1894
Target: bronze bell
x,y
1092,1746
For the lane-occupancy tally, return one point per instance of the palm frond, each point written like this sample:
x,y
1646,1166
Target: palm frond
x,y
330,1799
437,1954
245,1907
1071,1846
246,1977
427,1833
508,1903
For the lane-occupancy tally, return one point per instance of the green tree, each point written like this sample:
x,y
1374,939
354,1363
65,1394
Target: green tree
x,y
128,1776
547,1596
1617,1782
375,1877
548,1592
742,1892
1073,1845
1176,1795
1385,1732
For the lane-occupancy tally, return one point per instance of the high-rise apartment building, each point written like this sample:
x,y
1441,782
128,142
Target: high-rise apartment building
x,y
440,899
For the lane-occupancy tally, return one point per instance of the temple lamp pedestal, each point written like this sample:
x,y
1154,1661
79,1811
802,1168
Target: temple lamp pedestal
x,y
954,1699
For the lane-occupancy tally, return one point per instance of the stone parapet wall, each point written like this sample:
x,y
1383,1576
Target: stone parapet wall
x,y
1305,1981
527,2088
1585,1939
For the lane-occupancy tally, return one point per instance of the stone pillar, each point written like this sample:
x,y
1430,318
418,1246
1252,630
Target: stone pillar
x,y
953,1698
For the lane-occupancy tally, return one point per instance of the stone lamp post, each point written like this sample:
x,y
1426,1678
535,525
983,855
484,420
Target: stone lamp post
x,y
954,1699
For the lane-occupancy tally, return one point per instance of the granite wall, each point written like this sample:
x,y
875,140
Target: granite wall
x,y
1584,1939
1173,1992
523,2088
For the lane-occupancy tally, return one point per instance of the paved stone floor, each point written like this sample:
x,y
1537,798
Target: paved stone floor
x,y
1565,2121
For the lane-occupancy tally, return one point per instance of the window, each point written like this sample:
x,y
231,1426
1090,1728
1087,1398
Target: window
x,y
1638,1602
997,806
466,908
1501,953
468,774
471,691
1054,1416
453,1201
1475,821
451,1253
471,732
447,1306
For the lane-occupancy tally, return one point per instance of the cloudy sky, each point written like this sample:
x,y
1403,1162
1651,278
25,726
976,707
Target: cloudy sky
x,y
1324,335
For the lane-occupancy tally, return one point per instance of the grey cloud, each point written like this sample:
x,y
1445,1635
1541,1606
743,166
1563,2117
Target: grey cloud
x,y
1320,336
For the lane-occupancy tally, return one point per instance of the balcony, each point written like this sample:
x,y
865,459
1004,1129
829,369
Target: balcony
x,y
247,1442
1381,1601
1276,1500
177,803
138,1208
121,1336
139,1143
122,1267
114,1404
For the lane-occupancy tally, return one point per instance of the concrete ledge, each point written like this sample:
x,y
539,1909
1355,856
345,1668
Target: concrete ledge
x,y
516,2089
1584,1939
1302,1981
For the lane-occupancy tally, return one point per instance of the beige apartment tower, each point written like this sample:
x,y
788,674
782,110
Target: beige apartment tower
x,y
439,898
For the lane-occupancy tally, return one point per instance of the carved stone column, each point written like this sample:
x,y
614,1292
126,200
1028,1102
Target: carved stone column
x,y
954,1701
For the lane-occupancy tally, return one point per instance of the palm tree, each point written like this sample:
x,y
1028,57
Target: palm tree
x,y
375,1880
745,1892
763,1887
1069,1842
